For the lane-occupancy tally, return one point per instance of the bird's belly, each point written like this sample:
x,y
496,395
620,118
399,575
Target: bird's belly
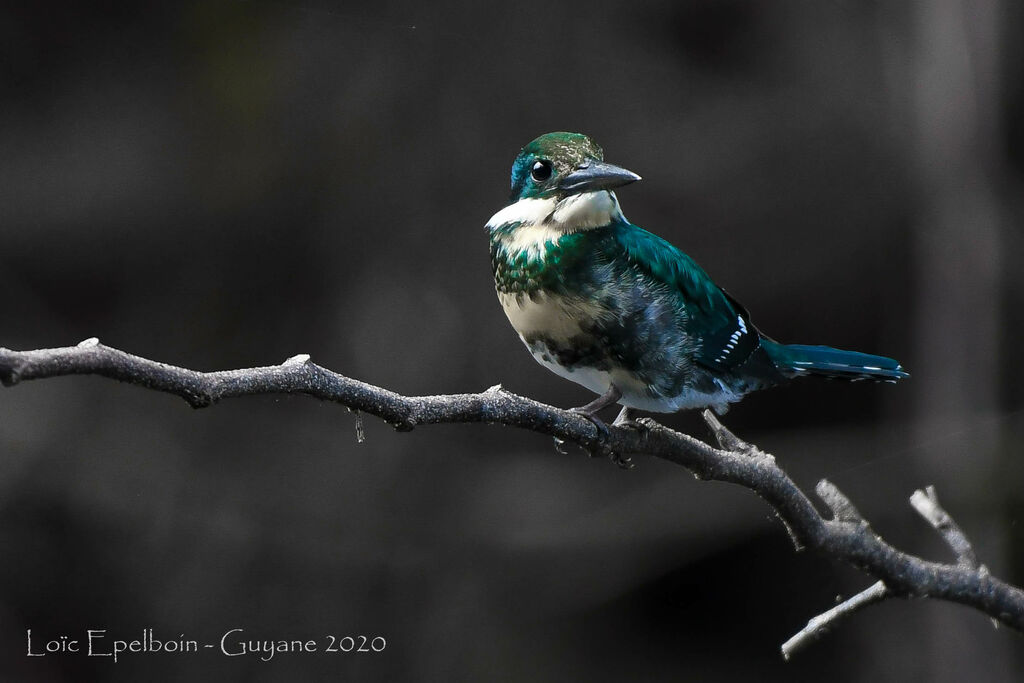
x,y
570,336
556,317
636,392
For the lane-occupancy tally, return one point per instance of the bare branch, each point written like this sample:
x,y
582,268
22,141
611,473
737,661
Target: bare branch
x,y
841,507
847,537
844,511
927,505
824,622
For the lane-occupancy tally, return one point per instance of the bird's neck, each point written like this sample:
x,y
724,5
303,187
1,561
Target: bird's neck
x,y
583,211
537,243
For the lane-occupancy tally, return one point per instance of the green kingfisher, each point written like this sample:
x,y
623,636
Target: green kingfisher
x,y
619,310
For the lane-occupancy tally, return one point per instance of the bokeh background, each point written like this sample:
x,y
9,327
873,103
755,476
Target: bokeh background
x,y
227,184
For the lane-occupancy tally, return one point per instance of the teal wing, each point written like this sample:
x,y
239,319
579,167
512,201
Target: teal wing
x,y
726,338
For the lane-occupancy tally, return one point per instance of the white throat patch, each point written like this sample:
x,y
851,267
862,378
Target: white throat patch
x,y
573,213
542,220
587,210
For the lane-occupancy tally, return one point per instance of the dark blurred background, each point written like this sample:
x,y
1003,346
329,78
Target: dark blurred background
x,y
222,185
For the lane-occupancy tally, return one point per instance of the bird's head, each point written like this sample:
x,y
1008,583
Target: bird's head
x,y
562,164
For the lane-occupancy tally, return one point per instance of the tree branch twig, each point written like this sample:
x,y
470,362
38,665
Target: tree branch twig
x,y
846,536
926,503
826,621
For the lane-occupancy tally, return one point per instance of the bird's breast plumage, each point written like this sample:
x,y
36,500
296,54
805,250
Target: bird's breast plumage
x,y
589,314
559,317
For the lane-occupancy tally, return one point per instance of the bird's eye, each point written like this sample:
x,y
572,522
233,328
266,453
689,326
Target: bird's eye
x,y
541,171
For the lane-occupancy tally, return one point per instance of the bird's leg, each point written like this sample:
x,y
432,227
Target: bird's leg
x,y
590,410
626,418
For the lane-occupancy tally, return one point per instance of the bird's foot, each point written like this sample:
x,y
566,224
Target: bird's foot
x,y
627,419
602,448
602,428
590,411
730,442
623,461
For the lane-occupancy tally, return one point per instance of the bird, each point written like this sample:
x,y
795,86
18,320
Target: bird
x,y
621,311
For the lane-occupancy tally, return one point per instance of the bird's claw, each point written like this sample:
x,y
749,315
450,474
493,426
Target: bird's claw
x,y
603,434
602,428
627,420
623,461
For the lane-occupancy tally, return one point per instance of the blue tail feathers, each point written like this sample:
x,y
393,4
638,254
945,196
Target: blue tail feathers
x,y
798,359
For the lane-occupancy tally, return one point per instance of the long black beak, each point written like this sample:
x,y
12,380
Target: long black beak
x,y
597,175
